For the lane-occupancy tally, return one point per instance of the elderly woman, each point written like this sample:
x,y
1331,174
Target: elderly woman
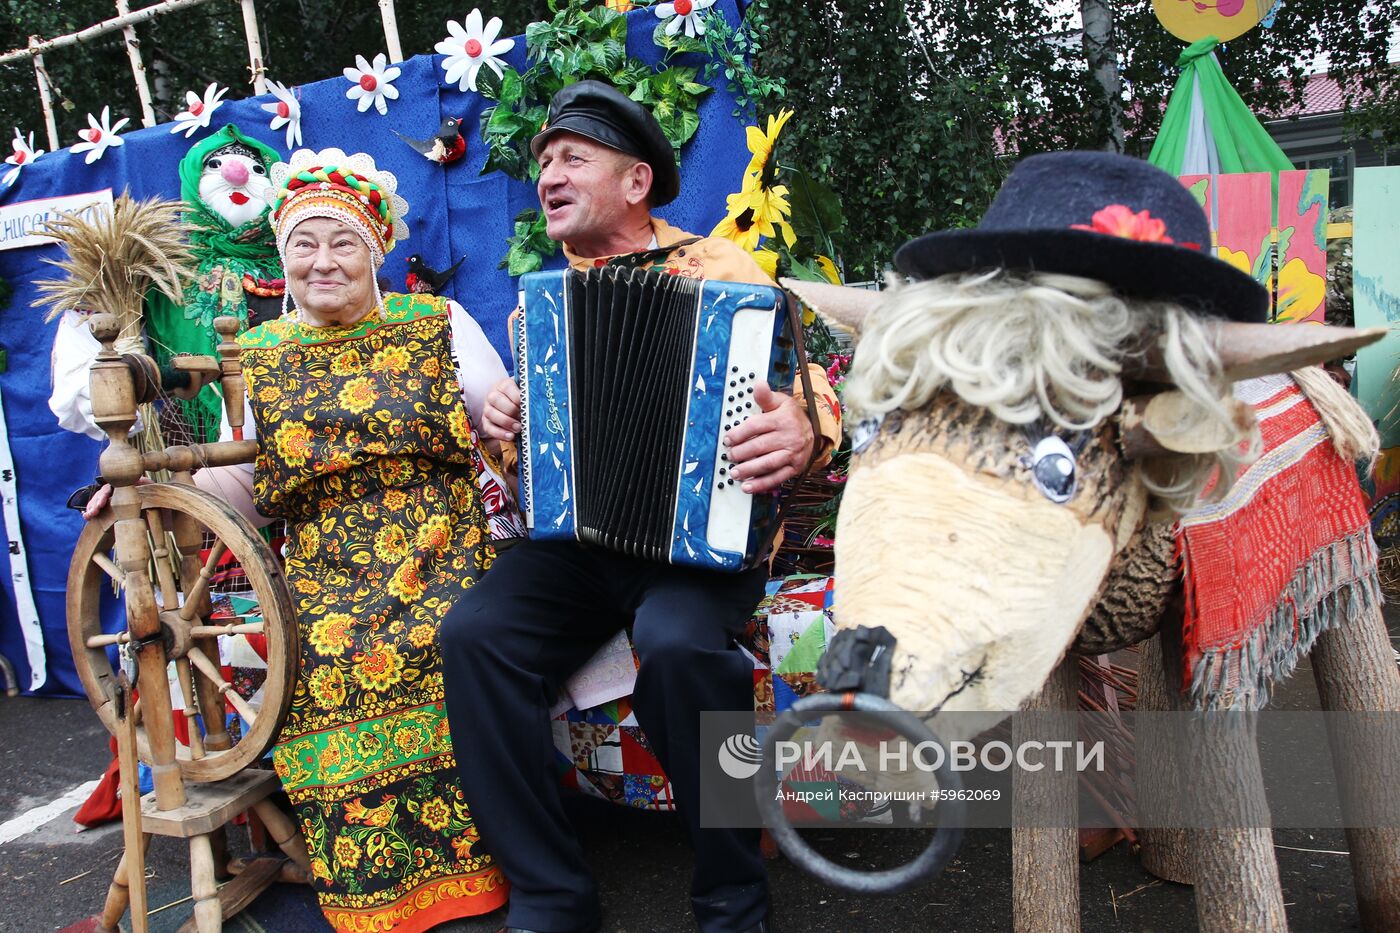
x,y
364,405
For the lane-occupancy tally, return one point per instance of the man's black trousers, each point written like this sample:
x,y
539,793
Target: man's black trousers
x,y
535,617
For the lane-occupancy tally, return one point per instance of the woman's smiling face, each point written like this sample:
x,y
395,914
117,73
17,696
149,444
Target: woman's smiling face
x,y
330,272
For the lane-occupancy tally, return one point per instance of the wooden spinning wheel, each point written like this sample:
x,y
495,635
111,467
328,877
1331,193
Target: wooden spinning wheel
x,y
177,518
162,544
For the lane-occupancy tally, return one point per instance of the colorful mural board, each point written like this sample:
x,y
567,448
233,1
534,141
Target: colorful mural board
x,y
1376,296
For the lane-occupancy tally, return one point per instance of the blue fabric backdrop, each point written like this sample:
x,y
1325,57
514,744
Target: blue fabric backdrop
x,y
453,211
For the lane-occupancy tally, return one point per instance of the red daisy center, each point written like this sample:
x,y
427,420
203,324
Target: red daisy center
x,y
368,83
197,108
92,135
283,110
19,157
473,47
684,7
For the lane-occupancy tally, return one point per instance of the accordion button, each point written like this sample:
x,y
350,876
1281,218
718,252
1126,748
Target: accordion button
x,y
721,471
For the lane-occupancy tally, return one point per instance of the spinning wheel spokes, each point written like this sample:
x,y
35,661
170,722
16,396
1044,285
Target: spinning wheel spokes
x,y
174,594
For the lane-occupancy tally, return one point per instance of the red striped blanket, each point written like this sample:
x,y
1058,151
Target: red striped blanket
x,y
1286,555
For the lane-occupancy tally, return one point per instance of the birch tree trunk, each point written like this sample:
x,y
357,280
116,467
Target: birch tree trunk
x,y
1102,56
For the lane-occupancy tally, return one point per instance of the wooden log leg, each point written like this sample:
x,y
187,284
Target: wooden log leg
x,y
208,912
1237,882
284,832
1045,807
1355,672
1166,851
118,896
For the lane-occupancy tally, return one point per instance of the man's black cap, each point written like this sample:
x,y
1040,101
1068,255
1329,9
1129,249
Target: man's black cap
x,y
604,114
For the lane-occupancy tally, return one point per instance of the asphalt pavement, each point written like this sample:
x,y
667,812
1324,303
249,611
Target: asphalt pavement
x,y
53,878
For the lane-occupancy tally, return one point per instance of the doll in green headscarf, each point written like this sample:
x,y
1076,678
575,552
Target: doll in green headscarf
x,y
223,180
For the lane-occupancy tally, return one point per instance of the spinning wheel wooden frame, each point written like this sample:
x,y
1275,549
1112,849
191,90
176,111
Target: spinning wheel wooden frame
x,y
150,542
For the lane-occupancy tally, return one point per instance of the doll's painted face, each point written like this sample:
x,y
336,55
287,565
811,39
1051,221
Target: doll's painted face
x,y
234,184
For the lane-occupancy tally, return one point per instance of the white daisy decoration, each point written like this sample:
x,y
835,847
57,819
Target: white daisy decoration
x,y
286,111
100,136
24,154
684,13
373,83
469,45
198,110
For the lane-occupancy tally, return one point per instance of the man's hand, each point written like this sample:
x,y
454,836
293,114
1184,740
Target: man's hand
x,y
770,448
500,416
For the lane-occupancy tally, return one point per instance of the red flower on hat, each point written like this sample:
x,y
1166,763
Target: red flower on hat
x,y
1120,221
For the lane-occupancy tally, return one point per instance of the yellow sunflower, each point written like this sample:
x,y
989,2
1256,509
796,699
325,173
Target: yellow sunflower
x,y
761,144
379,668
756,212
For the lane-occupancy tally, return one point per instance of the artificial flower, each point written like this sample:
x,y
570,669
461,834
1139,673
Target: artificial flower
x,y
373,83
285,112
100,135
761,144
469,46
1300,291
1120,221
24,154
684,13
198,110
756,212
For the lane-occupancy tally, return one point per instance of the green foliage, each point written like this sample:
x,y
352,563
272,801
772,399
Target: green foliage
x,y
577,43
528,245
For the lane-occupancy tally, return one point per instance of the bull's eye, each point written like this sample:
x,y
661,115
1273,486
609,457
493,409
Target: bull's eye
x,y
864,432
1052,469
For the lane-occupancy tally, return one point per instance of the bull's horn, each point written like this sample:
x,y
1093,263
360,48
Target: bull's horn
x,y
840,305
1248,351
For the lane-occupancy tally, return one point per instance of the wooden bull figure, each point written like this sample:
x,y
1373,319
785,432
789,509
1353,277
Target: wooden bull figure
x,y
1050,381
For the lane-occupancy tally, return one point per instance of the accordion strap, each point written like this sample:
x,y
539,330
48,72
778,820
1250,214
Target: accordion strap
x,y
648,257
795,322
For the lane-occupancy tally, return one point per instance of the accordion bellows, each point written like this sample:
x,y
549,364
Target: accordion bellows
x,y
628,380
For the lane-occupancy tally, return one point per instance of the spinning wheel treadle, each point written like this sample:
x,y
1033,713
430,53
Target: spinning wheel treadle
x,y
176,517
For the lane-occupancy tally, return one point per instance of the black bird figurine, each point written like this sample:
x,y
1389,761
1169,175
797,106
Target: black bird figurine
x,y
445,147
423,279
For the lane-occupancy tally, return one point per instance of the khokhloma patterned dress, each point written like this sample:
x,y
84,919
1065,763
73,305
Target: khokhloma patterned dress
x,y
368,451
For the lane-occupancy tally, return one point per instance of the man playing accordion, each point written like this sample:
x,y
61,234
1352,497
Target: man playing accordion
x,y
547,606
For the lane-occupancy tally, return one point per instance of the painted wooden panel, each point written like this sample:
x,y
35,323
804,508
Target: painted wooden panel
x,y
1243,223
1376,296
1199,186
1302,247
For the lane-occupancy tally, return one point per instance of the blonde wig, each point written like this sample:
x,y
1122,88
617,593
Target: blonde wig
x,y
1044,346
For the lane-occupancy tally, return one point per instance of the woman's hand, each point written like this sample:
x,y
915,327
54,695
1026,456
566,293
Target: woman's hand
x,y
99,499
500,416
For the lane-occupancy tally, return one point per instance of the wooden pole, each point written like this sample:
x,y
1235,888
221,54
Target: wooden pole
x,y
255,53
138,68
97,30
41,78
391,30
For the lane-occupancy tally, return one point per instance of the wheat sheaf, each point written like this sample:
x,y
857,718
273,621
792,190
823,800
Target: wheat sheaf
x,y
114,258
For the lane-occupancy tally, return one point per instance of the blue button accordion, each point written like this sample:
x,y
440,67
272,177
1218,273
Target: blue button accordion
x,y
629,379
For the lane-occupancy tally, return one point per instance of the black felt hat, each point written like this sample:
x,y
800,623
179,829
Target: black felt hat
x,y
1101,216
604,114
